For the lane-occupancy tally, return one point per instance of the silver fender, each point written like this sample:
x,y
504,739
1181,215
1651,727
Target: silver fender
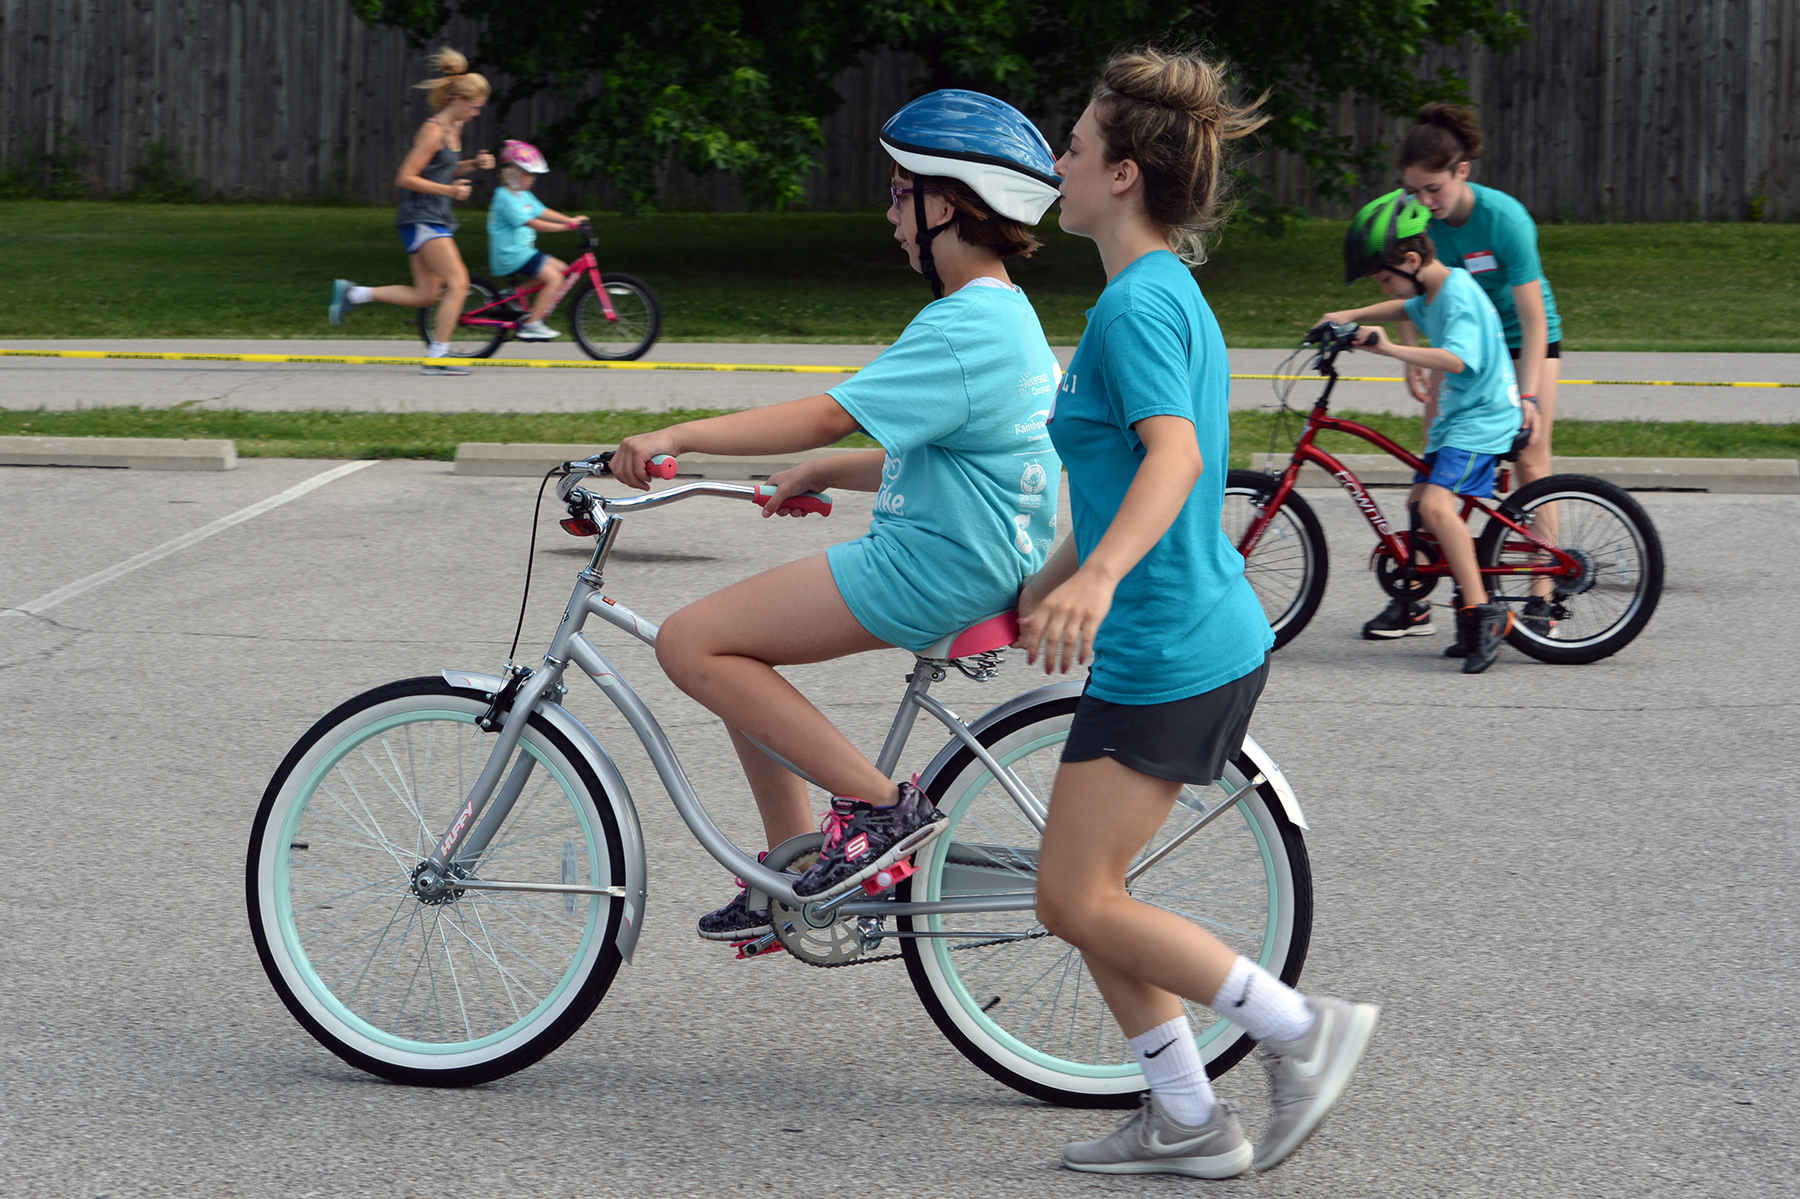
x,y
1284,791
631,833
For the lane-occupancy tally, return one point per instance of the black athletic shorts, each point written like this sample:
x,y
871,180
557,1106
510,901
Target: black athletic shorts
x,y
1554,350
1186,740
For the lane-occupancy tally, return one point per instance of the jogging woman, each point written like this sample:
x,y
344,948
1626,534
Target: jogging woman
x,y
1490,235
1149,588
432,175
963,513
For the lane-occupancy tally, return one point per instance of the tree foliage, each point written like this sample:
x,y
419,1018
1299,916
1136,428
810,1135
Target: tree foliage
x,y
742,87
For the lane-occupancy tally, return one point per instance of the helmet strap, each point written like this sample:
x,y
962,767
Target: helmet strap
x,y
922,238
1410,276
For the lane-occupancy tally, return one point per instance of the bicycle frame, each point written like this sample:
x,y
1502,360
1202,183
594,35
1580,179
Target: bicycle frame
x,y
1392,544
585,266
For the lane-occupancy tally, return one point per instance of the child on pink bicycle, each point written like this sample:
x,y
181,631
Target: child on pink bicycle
x,y
515,217
966,509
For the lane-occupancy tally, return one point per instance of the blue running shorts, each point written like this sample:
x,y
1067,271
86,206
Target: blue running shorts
x,y
1460,471
414,236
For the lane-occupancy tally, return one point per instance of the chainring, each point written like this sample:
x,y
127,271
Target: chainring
x,y
1388,572
838,943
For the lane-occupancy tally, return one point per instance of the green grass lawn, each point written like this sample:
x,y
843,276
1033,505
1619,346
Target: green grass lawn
x,y
315,434
147,270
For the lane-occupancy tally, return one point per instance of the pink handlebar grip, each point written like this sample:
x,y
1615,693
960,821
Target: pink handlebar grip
x,y
806,501
660,467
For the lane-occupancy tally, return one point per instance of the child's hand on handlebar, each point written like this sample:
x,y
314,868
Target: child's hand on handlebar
x,y
1372,338
575,222
788,484
635,451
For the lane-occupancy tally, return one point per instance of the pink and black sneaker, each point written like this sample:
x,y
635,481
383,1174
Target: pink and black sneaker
x,y
861,839
736,921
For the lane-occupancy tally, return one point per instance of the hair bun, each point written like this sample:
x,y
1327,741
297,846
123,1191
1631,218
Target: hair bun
x,y
1173,81
1459,122
449,62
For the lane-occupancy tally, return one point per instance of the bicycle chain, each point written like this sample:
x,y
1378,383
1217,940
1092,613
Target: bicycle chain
x,y
888,957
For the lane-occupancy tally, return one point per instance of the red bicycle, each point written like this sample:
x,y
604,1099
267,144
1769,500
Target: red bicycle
x,y
614,317
1580,546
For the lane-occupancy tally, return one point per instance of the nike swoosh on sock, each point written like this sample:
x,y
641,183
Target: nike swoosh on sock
x,y
1154,1052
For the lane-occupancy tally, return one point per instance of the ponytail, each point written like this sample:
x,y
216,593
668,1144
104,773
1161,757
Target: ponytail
x,y
1171,113
459,83
1447,134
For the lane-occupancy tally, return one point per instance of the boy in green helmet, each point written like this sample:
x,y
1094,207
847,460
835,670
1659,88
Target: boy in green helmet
x,y
1473,421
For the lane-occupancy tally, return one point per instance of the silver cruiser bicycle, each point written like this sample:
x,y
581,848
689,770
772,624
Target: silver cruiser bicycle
x,y
446,872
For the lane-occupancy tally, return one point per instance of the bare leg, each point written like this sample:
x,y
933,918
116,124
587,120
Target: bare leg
x,y
439,256
551,276
781,795
1535,461
723,650
1143,958
1442,513
422,294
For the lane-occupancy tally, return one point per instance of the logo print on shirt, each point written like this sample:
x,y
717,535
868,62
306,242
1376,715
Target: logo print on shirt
x,y
1022,535
1034,425
887,499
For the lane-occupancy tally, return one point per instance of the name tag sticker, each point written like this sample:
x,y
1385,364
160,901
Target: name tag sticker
x,y
1480,261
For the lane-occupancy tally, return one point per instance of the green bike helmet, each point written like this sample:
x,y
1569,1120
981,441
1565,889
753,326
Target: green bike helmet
x,y
1382,224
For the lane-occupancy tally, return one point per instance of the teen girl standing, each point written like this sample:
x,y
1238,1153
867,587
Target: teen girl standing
x,y
962,517
432,175
1151,590
1490,235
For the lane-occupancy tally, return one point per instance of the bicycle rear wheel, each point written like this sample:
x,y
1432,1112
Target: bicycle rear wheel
x,y
1288,568
639,318
1600,612
1018,1002
469,341
460,990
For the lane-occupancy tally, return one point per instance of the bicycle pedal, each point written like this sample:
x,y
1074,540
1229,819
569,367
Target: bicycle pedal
x,y
888,876
756,947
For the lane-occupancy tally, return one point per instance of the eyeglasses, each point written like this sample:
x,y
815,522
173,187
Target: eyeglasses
x,y
897,192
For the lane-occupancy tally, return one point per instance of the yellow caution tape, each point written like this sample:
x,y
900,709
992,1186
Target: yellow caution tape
x,y
555,364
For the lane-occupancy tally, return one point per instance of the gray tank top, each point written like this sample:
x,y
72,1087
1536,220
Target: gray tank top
x,y
419,208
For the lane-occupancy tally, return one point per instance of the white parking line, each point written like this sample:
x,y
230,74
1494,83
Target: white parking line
x,y
50,599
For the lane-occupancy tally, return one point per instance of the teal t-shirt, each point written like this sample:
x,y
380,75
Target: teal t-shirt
x,y
511,242
1184,620
967,507
1478,410
1497,245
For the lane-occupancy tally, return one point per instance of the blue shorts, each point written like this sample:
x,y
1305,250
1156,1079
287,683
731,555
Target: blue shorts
x,y
1460,471
414,236
533,265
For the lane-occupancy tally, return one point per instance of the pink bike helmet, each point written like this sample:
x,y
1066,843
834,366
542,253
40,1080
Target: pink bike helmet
x,y
523,155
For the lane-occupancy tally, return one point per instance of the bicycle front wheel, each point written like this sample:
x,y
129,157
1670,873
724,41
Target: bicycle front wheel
x,y
472,984
632,329
1018,1002
1287,569
1598,612
469,341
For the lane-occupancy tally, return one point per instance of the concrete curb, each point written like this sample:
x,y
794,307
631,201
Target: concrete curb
x,y
1731,476
119,453
527,459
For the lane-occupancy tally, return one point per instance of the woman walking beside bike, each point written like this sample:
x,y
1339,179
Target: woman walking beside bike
x,y
1151,590
1491,236
431,176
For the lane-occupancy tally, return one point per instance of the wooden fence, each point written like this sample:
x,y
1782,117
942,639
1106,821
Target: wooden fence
x,y
1615,110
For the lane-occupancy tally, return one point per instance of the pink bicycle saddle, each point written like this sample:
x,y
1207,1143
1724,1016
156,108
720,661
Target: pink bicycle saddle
x,y
996,632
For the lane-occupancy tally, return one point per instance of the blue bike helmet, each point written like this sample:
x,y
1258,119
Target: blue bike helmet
x,y
983,142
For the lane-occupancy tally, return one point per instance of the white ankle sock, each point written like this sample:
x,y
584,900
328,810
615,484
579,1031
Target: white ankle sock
x,y
437,349
358,295
1261,1004
1174,1071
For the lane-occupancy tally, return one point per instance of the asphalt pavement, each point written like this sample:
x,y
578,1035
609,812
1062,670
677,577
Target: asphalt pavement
x,y
58,384
1569,887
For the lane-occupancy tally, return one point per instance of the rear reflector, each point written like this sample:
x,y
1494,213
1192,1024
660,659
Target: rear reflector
x,y
579,526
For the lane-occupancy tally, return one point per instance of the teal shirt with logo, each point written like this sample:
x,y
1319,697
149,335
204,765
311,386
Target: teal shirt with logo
x,y
967,507
1478,409
1497,245
1184,620
512,242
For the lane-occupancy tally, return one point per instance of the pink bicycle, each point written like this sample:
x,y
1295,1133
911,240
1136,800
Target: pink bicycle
x,y
614,317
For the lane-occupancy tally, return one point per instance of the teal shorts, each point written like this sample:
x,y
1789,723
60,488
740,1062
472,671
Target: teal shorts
x,y
1460,471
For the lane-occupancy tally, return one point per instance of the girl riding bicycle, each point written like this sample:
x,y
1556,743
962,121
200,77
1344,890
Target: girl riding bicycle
x,y
515,217
431,176
966,508
1149,587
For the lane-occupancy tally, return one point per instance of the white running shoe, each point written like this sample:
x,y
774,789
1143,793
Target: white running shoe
x,y
536,331
1308,1074
442,369
1150,1142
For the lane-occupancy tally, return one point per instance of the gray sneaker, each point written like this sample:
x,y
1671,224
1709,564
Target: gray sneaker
x,y
1150,1142
442,368
1307,1075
